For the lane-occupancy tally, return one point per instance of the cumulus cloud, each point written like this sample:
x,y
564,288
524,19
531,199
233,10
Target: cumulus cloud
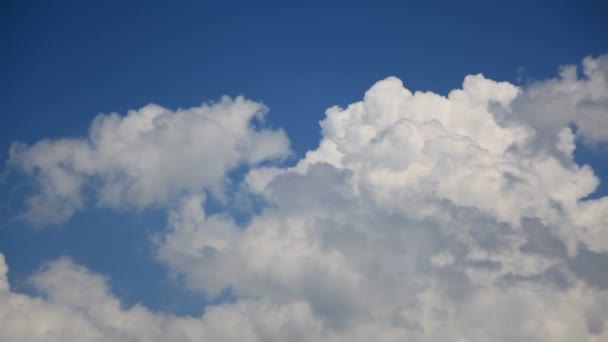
x,y
422,217
569,99
77,305
419,217
151,156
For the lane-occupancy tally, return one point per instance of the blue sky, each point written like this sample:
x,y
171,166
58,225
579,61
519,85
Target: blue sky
x,y
65,62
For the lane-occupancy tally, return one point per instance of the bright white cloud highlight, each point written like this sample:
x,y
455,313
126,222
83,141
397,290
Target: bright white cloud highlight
x,y
419,217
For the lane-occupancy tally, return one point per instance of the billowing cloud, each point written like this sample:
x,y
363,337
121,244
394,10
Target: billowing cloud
x,y
419,217
148,157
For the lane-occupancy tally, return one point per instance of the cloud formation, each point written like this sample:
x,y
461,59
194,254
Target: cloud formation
x,y
151,156
419,217
569,100
76,305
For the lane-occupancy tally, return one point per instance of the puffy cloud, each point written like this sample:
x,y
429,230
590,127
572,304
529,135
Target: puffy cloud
x,y
581,101
148,157
419,217
77,305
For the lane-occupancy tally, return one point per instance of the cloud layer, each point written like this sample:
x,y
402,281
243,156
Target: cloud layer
x,y
419,217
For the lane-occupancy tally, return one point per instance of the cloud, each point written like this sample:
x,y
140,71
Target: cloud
x,y
77,305
3,271
569,99
148,157
419,217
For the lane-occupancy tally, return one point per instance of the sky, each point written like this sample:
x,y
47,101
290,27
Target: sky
x,y
306,171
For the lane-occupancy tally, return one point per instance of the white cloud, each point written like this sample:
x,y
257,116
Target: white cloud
x,y
583,101
419,217
76,305
148,157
